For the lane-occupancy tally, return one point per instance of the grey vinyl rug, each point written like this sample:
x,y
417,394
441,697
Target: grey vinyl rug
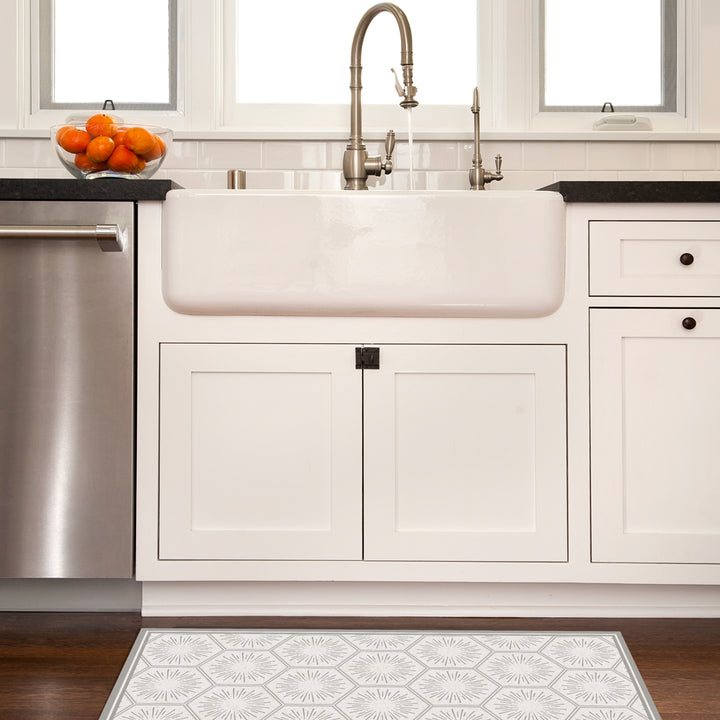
x,y
384,675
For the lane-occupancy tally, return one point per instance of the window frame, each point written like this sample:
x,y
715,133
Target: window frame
x,y
43,12
669,51
680,119
33,36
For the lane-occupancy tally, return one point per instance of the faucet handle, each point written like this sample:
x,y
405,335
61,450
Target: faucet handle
x,y
398,86
387,166
498,164
389,144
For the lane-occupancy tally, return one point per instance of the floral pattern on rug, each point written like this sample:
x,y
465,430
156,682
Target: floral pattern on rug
x,y
311,675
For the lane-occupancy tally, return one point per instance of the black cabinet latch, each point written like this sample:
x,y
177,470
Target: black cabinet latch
x,y
367,358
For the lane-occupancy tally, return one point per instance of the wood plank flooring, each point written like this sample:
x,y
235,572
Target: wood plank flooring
x,y
62,666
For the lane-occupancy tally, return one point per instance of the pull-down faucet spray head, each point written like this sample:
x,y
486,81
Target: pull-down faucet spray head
x,y
407,92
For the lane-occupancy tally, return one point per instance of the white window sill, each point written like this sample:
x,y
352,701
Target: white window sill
x,y
457,136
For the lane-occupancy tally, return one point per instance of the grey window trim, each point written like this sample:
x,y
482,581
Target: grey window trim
x,y
46,22
669,71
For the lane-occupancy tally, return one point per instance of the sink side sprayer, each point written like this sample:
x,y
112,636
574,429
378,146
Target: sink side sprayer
x,y
357,165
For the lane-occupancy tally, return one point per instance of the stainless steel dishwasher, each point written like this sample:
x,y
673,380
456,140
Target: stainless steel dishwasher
x,y
66,389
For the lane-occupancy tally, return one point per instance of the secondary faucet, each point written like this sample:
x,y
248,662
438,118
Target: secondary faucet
x,y
357,165
479,176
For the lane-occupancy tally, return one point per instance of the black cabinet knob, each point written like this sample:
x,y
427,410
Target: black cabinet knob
x,y
687,259
689,323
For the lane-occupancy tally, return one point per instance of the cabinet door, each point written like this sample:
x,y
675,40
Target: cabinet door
x,y
465,454
260,452
655,424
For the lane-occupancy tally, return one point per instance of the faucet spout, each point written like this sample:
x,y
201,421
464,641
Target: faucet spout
x,y
357,166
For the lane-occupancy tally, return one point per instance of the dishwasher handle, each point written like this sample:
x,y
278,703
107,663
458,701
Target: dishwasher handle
x,y
110,238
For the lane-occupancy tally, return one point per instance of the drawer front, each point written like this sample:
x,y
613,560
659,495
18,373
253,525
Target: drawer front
x,y
644,258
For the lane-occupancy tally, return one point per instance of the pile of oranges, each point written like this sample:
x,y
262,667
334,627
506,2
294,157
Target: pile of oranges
x,y
105,145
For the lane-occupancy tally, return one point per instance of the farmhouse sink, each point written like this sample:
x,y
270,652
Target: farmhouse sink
x,y
337,253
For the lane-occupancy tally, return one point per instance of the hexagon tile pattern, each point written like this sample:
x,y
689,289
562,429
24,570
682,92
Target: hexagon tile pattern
x,y
376,675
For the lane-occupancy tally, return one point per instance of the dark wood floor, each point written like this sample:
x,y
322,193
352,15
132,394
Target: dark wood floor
x,y
63,665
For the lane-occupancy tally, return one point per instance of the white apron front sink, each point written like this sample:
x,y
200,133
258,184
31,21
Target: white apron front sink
x,y
342,253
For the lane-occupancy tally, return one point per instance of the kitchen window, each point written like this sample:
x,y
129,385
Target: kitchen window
x,y
614,51
88,52
287,64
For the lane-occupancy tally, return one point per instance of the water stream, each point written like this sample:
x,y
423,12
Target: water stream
x,y
410,149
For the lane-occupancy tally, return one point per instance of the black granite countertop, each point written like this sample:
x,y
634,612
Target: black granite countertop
x,y
610,191
71,189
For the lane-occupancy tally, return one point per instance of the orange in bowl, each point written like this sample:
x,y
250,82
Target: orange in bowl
x,y
139,140
74,140
85,164
158,150
100,148
101,124
125,160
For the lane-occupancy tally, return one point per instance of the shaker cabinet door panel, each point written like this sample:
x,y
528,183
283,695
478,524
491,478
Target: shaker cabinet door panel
x,y
465,454
655,424
260,452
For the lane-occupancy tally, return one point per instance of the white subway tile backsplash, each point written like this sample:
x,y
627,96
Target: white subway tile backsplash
x,y
196,179
427,155
457,180
326,180
684,156
182,154
554,156
527,165
712,175
664,175
524,180
18,173
52,173
30,153
270,180
401,180
294,155
511,152
618,156
229,154
597,175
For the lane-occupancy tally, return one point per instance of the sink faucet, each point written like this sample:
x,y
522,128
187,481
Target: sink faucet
x,y
357,165
479,176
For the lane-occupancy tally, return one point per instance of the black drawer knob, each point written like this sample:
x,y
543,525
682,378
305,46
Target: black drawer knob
x,y
687,259
689,323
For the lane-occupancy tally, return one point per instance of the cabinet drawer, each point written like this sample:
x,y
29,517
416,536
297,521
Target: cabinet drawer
x,y
644,258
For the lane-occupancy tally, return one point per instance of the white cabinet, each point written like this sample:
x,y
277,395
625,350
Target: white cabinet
x,y
261,453
465,454
655,424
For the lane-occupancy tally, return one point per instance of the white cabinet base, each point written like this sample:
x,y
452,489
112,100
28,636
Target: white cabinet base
x,y
393,599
